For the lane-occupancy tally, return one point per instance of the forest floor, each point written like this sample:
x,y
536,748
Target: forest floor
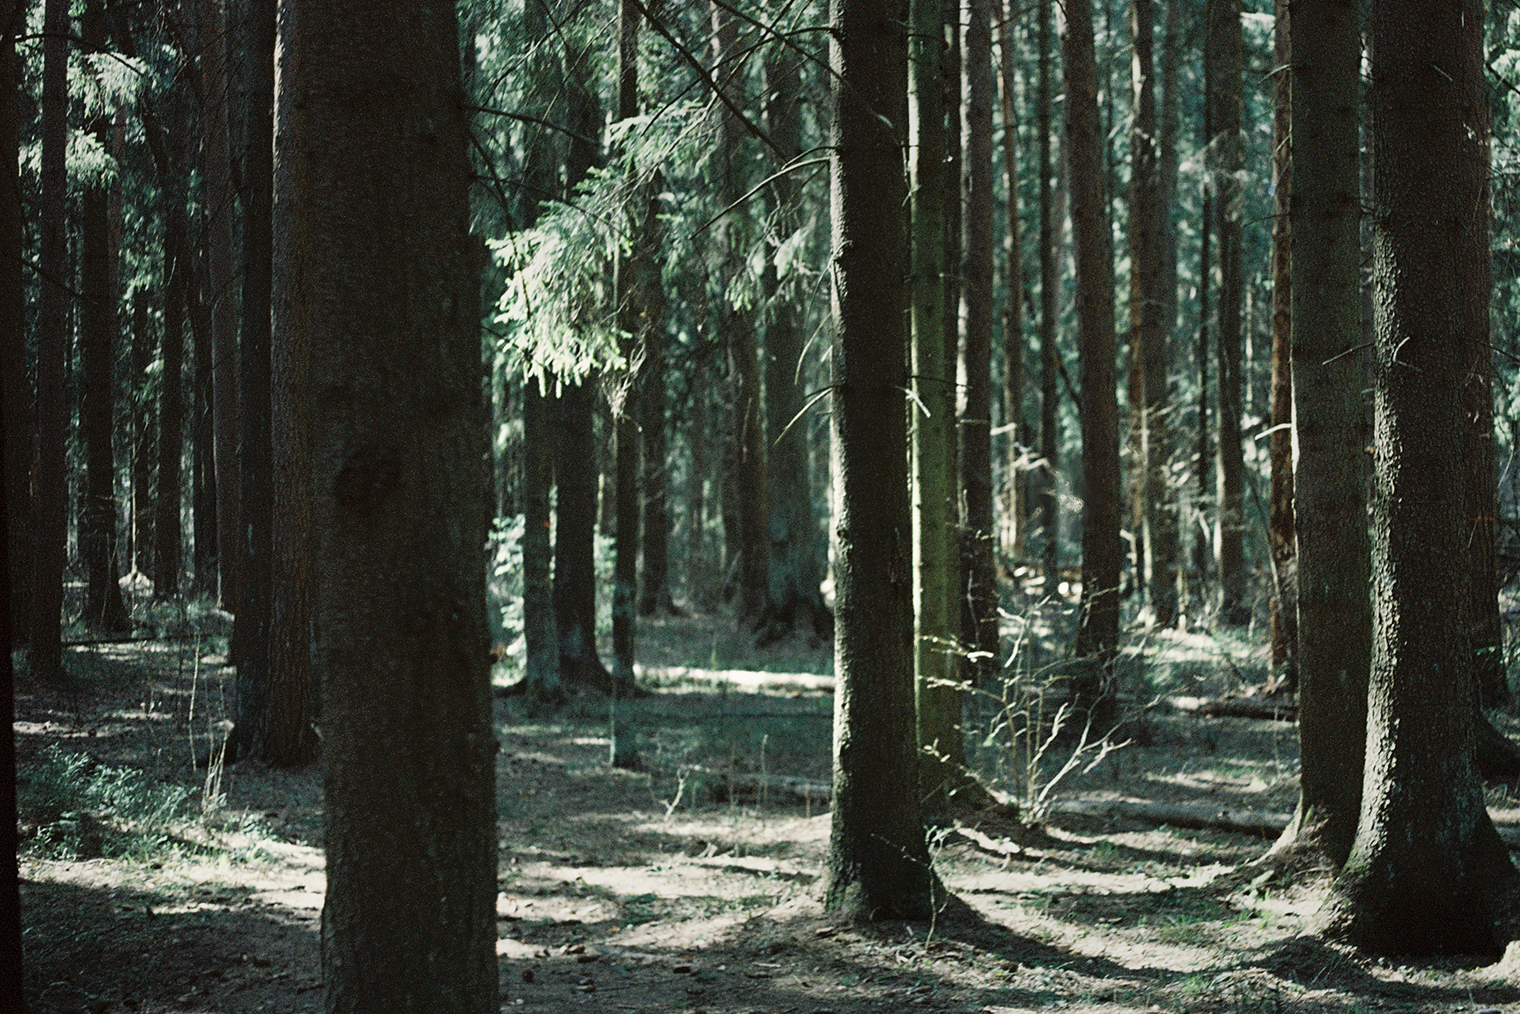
x,y
665,889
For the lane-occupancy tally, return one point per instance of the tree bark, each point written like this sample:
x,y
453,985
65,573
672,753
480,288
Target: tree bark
x,y
877,864
49,509
1427,871
541,667
1226,154
941,757
980,629
1280,536
374,264
17,390
1015,421
1098,632
104,607
1050,362
144,433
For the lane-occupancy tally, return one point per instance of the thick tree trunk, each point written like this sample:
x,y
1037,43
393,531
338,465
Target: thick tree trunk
x,y
49,508
17,391
574,535
374,263
1280,536
1329,504
877,865
1102,555
1427,871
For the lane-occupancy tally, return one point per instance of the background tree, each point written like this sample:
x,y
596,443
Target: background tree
x,y
13,374
49,484
1050,361
1439,881
877,864
374,263
1098,632
1280,535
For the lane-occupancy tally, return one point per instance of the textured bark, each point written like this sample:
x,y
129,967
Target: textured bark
x,y
541,667
18,390
1154,517
276,703
574,535
877,864
374,265
1427,872
1330,512
205,535
104,607
221,307
1102,555
980,626
168,495
49,518
144,432
1224,53
1280,537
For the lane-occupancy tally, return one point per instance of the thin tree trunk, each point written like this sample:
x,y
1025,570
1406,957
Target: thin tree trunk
x,y
204,502
1164,536
541,667
1098,632
217,293
144,433
1014,419
1050,418
168,530
49,506
1224,53
980,631
1281,538
104,607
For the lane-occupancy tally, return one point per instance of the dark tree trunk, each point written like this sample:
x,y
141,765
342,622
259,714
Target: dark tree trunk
x,y
1015,421
1280,536
795,567
1098,632
1329,504
144,433
386,294
217,294
980,630
1223,49
877,865
18,390
104,607
1050,281
49,507
1427,872
168,500
541,667
629,297
204,502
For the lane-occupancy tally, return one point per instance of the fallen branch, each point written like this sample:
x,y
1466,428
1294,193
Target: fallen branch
x,y
726,786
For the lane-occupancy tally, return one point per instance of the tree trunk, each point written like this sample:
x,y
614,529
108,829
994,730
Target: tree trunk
x,y
1015,422
1330,511
17,391
575,534
1281,539
386,292
1224,53
877,865
541,667
1427,872
216,167
1102,555
206,544
168,530
144,432
738,331
941,759
1050,281
980,630
49,507
1164,538
104,608
796,569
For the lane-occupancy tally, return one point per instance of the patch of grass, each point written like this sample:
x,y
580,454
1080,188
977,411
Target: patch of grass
x,y
71,807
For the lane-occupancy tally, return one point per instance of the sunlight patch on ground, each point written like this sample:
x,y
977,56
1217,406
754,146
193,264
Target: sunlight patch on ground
x,y
739,679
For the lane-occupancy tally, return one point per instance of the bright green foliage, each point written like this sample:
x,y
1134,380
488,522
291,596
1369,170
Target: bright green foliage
x,y
70,807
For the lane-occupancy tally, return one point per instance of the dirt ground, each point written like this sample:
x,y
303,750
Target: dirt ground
x,y
660,890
